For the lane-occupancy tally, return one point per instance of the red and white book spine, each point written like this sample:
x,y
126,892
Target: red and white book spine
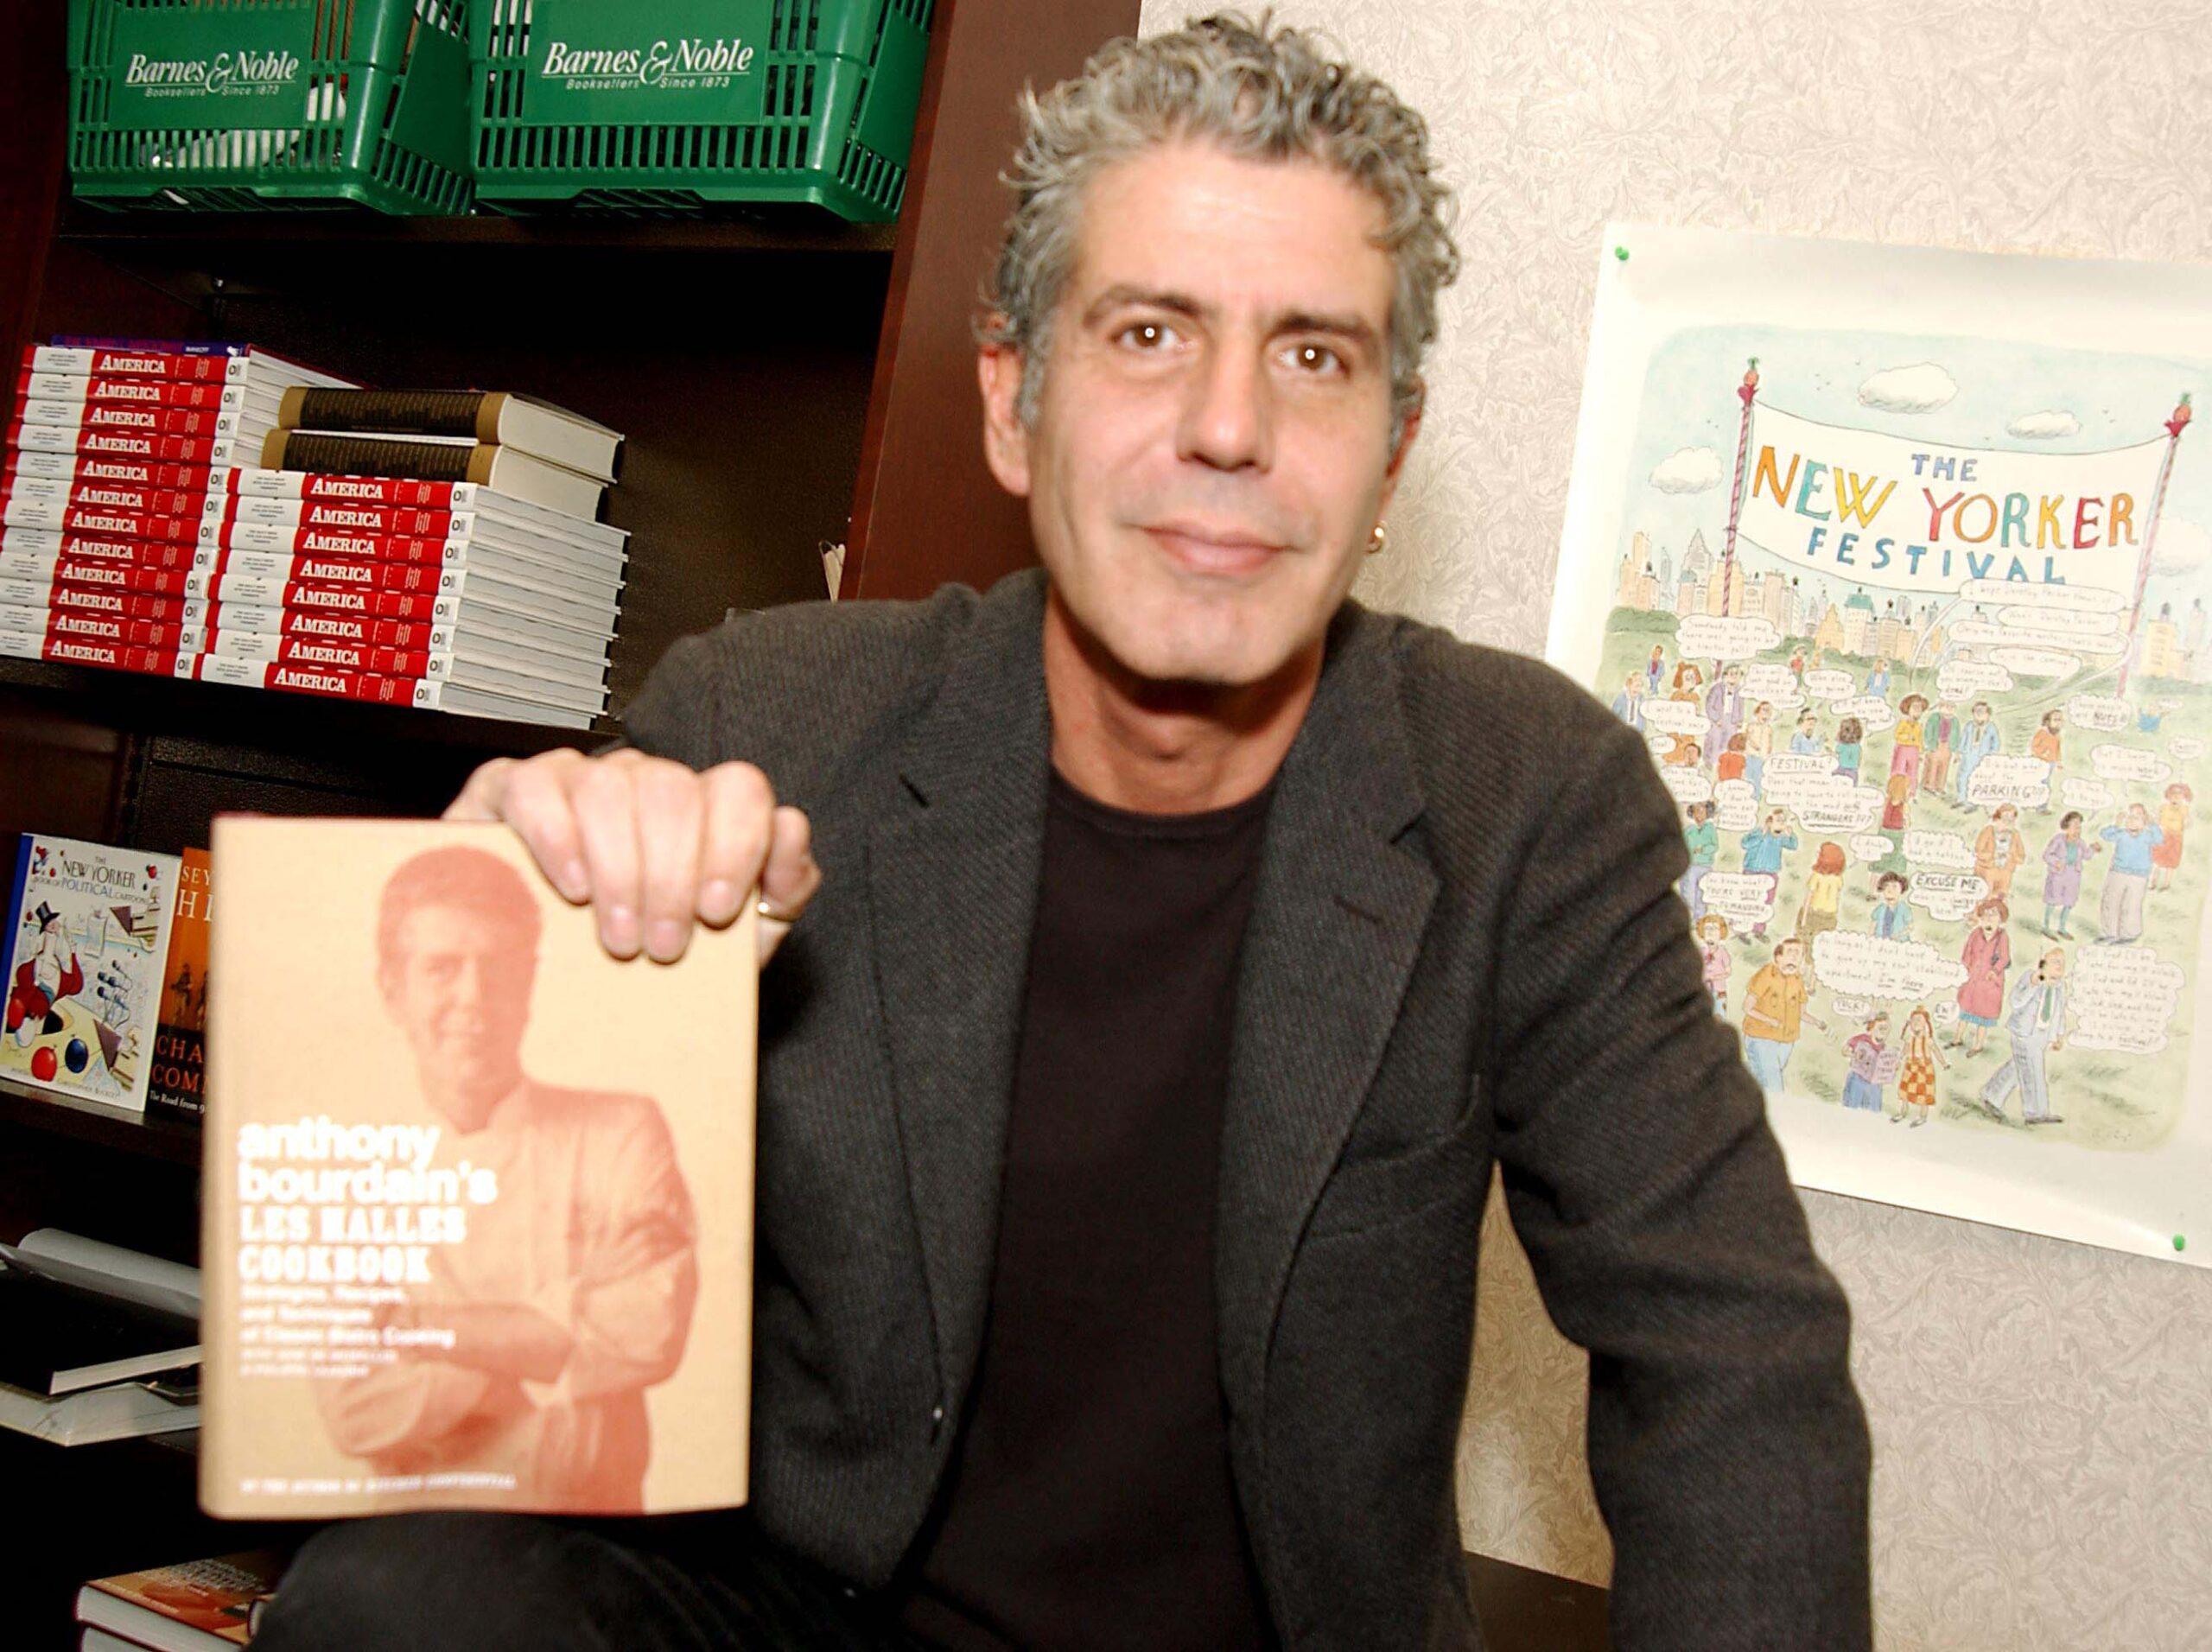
x,y
237,513
133,444
250,481
59,596
52,414
114,522
72,651
69,470
372,573
172,635
20,492
267,598
109,577
315,679
97,547
361,630
277,648
143,392
102,361
332,542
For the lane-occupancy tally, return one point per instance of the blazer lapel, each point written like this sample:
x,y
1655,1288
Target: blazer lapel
x,y
1336,924
952,877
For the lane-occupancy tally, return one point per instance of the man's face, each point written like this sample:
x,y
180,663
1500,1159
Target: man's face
x,y
1790,959
1212,445
458,984
2137,818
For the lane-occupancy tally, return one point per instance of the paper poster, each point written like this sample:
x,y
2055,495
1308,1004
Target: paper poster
x,y
1900,561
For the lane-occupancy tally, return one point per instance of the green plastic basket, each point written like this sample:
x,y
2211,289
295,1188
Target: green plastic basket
x,y
667,105
269,104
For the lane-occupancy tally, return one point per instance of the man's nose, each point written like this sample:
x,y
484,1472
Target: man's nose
x,y
468,981
1228,418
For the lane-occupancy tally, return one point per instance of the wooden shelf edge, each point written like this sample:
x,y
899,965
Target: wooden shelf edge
x,y
216,710
160,234
149,1136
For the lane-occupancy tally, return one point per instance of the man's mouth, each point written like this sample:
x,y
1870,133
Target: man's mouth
x,y
1221,551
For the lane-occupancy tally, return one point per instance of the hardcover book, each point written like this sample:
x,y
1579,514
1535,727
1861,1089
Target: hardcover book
x,y
180,1039
210,1603
478,1196
87,934
498,417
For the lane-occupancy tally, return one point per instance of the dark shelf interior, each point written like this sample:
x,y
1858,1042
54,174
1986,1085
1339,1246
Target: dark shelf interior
x,y
172,1140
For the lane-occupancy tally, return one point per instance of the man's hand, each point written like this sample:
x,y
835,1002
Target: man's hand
x,y
651,845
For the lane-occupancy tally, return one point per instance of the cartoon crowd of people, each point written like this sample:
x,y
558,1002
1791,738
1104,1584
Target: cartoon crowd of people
x,y
1935,750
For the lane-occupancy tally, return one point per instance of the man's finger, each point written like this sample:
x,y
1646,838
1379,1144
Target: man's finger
x,y
604,799
668,809
733,839
534,800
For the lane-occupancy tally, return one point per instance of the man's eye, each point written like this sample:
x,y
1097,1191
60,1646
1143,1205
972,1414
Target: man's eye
x,y
1316,358
1148,336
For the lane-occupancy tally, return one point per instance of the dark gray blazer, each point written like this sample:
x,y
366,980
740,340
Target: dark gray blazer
x,y
1464,948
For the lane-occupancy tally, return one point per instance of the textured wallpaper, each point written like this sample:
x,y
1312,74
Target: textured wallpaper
x,y
2042,1412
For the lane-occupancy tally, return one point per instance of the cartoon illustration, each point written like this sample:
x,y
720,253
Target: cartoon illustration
x,y
2037,1025
51,974
2065,854
1712,939
1972,577
1892,918
1912,616
2134,842
1988,955
1872,1063
1916,1078
2173,819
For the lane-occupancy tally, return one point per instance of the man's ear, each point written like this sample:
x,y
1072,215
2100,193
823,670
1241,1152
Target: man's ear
x,y
1006,442
1405,444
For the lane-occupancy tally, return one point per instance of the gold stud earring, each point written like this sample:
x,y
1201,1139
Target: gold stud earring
x,y
1376,540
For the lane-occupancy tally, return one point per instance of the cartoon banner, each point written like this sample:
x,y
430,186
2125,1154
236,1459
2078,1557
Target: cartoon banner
x,y
1911,514
1907,599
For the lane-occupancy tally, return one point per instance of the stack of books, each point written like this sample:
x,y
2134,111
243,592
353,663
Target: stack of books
x,y
96,1341
212,1604
435,548
112,446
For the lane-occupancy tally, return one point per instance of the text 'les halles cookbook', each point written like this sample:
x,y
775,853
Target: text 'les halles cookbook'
x,y
478,1203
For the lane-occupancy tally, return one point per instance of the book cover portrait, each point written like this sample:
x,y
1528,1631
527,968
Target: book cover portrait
x,y
479,1200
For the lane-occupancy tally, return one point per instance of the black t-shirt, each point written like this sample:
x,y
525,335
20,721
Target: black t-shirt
x,y
1089,1502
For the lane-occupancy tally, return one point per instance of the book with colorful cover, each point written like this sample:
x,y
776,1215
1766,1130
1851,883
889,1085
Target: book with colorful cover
x,y
212,1602
477,1219
87,936
178,1087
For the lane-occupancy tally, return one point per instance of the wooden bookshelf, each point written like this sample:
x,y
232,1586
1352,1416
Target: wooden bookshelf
x,y
784,379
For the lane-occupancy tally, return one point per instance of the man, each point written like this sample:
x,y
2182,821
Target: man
x,y
1763,852
1724,705
2119,914
1892,918
1939,733
1980,737
1628,704
2037,1024
1774,1006
571,1293
1177,946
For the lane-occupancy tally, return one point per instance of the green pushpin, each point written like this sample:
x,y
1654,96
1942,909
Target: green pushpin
x,y
1621,253
2180,1242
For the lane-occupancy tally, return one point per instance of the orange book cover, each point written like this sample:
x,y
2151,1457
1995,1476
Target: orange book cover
x,y
216,1597
177,1084
478,1196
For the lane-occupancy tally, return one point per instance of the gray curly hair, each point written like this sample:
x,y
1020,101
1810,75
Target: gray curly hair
x,y
1257,91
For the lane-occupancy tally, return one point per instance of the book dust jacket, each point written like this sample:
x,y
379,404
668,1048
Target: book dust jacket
x,y
87,934
478,1200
